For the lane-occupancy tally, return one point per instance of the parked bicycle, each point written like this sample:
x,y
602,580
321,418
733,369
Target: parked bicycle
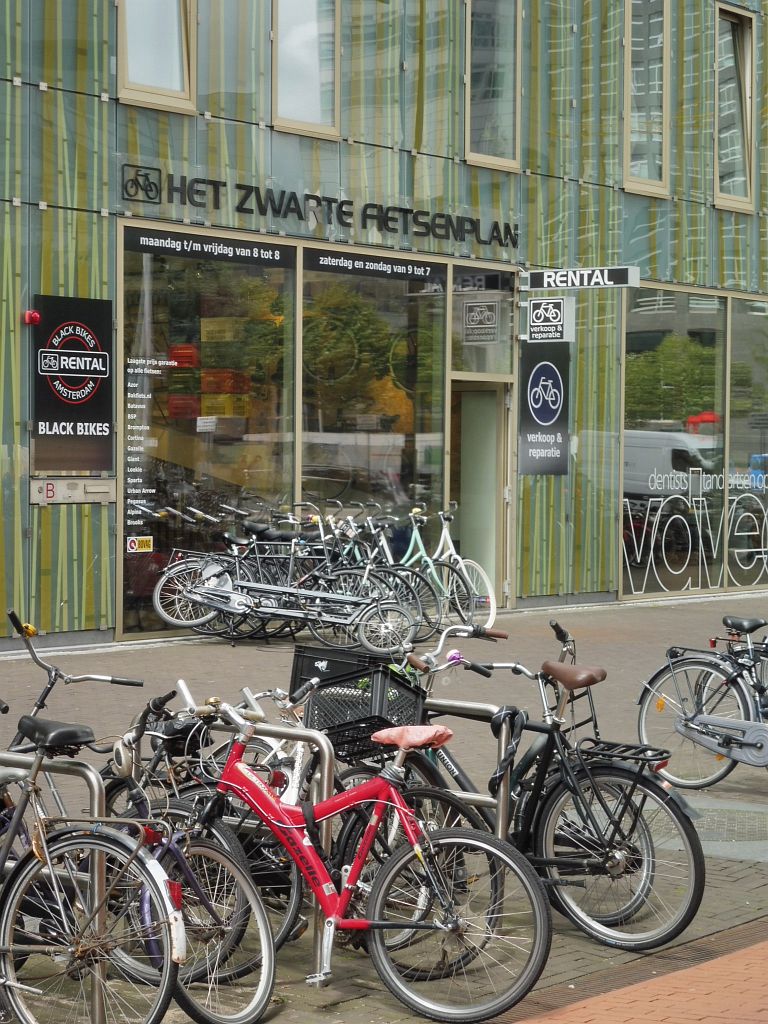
x,y
457,924
709,707
617,852
89,929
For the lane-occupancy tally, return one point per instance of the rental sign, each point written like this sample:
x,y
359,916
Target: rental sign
x,y
72,414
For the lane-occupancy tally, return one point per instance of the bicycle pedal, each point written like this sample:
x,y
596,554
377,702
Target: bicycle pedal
x,y
295,933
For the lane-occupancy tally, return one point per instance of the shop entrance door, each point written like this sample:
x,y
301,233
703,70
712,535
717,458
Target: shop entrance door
x,y
478,460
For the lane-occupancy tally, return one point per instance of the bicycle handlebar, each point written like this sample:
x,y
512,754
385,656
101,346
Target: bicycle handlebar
x,y
27,631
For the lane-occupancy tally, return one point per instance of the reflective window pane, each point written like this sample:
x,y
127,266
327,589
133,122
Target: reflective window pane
x,y
208,405
748,444
482,321
306,61
493,79
673,536
373,381
646,129
155,44
733,54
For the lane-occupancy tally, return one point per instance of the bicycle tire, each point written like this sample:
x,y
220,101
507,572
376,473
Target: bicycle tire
x,y
385,628
473,971
354,583
272,871
678,690
40,914
643,888
229,940
429,601
169,595
483,595
455,593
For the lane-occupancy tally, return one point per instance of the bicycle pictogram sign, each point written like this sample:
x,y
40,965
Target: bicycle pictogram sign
x,y
141,183
545,393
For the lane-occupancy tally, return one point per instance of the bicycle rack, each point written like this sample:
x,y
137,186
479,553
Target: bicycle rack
x,y
95,785
322,788
481,713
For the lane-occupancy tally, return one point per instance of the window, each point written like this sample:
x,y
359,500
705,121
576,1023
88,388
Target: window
x,y
733,92
305,85
493,82
646,150
156,53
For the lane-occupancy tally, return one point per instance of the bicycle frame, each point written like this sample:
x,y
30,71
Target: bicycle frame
x,y
288,824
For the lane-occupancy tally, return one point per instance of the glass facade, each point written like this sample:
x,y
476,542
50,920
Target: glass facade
x,y
470,141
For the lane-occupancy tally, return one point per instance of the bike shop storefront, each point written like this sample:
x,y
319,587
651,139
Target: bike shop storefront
x,y
260,373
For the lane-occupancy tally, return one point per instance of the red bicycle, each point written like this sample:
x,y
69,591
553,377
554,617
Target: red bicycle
x,y
456,922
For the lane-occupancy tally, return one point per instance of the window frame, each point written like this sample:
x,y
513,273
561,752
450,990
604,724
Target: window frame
x,y
182,101
634,182
746,20
483,159
310,128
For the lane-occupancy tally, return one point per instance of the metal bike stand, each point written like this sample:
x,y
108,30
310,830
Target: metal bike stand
x,y
322,788
95,785
481,713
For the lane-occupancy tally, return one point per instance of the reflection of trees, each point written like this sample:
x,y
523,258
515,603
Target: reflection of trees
x,y
345,350
675,380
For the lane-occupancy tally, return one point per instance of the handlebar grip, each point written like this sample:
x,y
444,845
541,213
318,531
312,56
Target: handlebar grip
x,y
482,670
158,703
415,662
4,708
560,633
489,634
16,622
119,681
299,695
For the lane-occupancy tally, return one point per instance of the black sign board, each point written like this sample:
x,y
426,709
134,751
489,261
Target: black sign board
x,y
543,441
585,277
72,391
402,268
209,247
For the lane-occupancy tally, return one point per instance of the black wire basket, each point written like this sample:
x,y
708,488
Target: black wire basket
x,y
350,707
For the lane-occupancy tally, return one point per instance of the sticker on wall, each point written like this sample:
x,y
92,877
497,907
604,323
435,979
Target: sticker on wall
x,y
138,545
543,440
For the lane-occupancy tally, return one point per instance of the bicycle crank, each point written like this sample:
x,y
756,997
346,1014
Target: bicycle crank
x,y
735,738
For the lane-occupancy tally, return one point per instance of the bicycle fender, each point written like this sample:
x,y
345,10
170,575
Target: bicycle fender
x,y
174,916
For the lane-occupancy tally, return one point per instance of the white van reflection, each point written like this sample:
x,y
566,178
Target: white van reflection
x,y
659,462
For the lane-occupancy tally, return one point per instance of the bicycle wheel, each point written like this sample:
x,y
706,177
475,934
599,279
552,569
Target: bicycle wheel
x,y
491,926
481,588
60,950
429,602
385,628
171,599
354,583
633,877
455,594
272,871
678,691
229,975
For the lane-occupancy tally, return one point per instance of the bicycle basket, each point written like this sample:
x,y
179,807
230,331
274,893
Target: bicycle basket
x,y
350,707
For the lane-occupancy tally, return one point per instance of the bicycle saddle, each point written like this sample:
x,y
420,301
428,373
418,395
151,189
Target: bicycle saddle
x,y
407,737
45,733
743,625
573,677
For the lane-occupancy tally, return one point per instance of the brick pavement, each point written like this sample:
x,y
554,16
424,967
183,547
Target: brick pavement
x,y
630,642
728,988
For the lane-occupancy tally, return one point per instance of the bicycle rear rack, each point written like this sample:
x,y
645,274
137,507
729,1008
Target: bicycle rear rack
x,y
593,749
